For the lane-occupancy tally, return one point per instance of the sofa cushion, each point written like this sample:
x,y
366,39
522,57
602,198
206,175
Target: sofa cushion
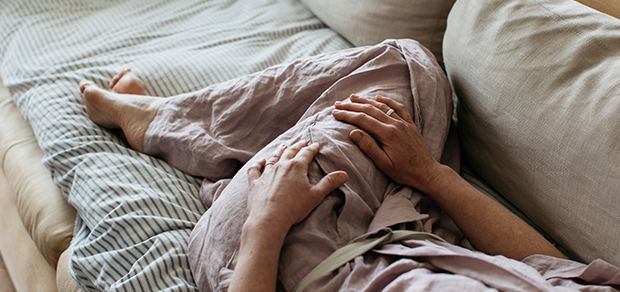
x,y
44,211
368,22
538,84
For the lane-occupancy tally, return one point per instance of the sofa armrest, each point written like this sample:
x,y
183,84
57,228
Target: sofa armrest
x,y
28,269
45,213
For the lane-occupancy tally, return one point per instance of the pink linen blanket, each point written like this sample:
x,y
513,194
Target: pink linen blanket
x,y
212,133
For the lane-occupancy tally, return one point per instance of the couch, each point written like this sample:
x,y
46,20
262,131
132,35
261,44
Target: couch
x,y
38,223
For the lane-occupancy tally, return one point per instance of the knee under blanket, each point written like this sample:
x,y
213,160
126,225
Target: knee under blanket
x,y
212,133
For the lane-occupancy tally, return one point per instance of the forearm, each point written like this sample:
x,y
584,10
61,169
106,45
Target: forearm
x,y
259,253
389,136
489,227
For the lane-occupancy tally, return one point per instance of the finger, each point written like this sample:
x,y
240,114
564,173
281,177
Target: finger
x,y
380,105
275,157
367,108
377,109
362,120
398,107
355,99
293,150
307,153
254,170
329,183
370,147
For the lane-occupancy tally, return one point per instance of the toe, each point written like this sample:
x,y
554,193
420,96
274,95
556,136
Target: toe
x,y
129,83
118,77
85,83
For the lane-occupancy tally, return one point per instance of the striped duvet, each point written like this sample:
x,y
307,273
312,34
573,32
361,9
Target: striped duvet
x,y
135,212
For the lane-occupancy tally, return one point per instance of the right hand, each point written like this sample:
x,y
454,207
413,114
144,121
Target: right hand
x,y
393,142
280,191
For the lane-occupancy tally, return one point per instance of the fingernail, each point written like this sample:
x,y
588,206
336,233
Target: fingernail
x,y
356,136
343,178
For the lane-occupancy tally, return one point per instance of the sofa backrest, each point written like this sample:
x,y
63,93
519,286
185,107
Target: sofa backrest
x,y
538,87
369,22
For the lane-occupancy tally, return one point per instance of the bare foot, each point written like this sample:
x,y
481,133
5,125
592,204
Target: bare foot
x,y
127,82
130,112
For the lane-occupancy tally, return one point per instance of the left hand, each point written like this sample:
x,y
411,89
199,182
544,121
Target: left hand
x,y
280,192
393,142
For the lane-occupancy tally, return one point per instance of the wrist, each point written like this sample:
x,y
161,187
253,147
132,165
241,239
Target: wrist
x,y
256,227
434,177
259,252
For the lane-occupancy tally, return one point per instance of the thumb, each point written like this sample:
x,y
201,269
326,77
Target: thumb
x,y
330,182
369,146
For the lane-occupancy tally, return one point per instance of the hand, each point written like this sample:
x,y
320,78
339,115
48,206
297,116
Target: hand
x,y
280,193
393,142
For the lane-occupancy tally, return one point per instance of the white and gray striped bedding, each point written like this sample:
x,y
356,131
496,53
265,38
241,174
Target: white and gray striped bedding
x,y
135,212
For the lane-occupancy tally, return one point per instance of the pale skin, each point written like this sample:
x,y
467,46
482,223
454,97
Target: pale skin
x,y
281,195
126,106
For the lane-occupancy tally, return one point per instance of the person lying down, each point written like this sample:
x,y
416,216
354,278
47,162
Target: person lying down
x,y
347,153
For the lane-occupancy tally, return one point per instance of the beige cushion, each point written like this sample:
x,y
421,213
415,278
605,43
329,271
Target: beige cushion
x,y
28,269
369,22
610,7
538,83
64,281
45,213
